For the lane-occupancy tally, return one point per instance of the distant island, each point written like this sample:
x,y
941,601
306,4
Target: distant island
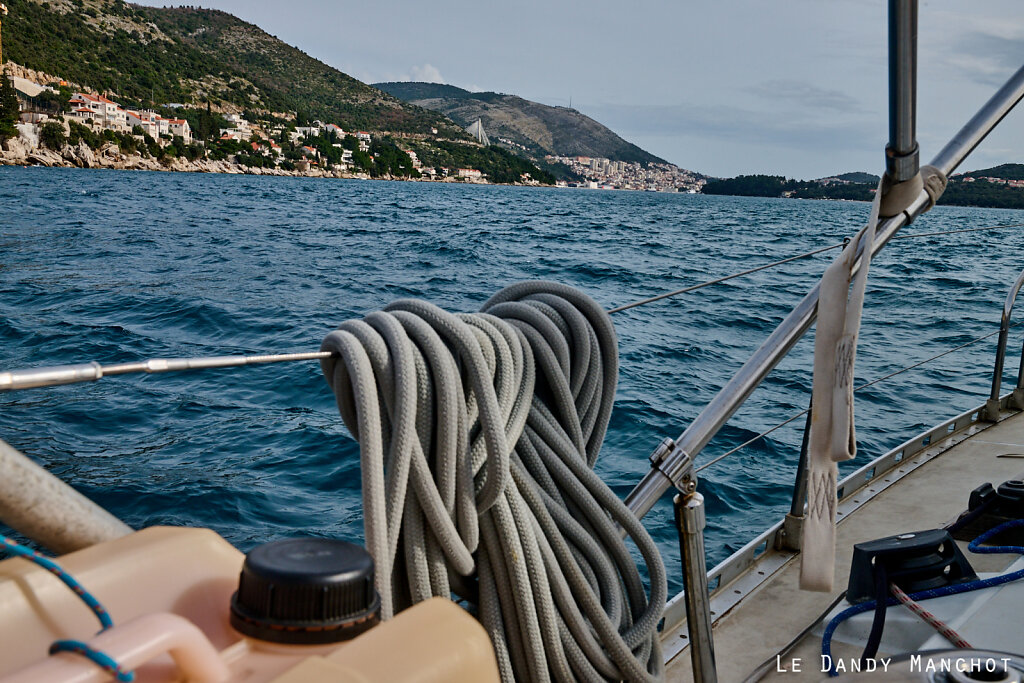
x,y
999,187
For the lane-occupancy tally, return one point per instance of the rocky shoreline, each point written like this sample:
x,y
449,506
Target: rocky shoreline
x,y
25,150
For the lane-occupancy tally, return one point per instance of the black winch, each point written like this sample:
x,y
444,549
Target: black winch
x,y
916,561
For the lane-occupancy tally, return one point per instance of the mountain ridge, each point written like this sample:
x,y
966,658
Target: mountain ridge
x,y
539,128
189,55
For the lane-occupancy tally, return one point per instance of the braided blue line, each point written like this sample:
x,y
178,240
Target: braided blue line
x,y
97,657
15,548
974,546
101,659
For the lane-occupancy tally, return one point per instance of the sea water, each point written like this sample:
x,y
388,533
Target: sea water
x,y
117,266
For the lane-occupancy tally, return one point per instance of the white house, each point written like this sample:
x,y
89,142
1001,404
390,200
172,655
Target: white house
x,y
180,127
106,113
147,120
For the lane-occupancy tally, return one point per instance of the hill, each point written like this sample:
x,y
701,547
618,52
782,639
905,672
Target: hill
x,y
1004,171
153,55
858,177
998,187
539,128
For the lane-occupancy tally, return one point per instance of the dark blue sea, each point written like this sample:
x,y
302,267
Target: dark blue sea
x,y
116,266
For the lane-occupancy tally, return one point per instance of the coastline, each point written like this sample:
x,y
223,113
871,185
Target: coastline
x,y
25,150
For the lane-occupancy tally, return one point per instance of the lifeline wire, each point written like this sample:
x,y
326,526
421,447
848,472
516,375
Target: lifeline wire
x,y
715,281
42,377
483,484
862,386
98,657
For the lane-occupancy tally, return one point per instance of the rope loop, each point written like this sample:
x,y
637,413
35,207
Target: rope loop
x,y
101,659
478,434
97,657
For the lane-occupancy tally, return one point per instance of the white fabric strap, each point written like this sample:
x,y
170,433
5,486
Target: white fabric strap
x,y
832,436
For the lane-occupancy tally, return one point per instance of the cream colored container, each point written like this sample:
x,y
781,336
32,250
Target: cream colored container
x,y
168,591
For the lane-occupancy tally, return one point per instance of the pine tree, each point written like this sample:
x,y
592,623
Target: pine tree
x,y
9,111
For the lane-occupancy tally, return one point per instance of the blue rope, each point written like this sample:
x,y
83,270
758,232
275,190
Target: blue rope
x,y
974,546
46,563
98,657
101,659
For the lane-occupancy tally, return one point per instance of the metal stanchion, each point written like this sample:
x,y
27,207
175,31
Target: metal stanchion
x,y
690,522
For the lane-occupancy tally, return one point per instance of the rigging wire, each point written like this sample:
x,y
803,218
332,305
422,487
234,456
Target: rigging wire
x,y
862,386
41,377
708,283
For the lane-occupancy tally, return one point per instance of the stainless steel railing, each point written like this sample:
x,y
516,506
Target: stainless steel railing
x,y
672,463
992,405
672,468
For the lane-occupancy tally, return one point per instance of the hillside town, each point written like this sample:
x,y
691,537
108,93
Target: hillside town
x,y
106,133
99,113
599,173
59,125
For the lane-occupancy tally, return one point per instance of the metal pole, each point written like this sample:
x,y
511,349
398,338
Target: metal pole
x,y
37,504
796,507
902,158
1020,369
690,521
87,372
1004,331
981,124
788,333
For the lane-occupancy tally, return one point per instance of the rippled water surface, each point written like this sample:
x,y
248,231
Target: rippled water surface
x,y
117,266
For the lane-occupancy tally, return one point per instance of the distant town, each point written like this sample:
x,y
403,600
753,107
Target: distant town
x,y
277,144
605,174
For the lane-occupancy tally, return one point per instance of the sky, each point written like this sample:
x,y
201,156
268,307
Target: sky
x,y
727,87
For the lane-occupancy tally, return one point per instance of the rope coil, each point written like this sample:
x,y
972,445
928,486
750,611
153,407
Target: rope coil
x,y
478,434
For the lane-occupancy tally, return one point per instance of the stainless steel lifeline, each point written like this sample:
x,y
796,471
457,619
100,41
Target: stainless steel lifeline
x,y
87,372
666,472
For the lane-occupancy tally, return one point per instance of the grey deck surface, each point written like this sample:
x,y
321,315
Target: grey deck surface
x,y
926,498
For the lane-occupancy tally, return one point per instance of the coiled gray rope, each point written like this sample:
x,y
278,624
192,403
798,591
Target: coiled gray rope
x,y
477,435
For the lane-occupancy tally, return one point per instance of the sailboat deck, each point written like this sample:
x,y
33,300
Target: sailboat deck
x,y
925,491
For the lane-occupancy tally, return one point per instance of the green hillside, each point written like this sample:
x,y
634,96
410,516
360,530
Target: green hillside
x,y
959,191
188,55
1004,171
539,128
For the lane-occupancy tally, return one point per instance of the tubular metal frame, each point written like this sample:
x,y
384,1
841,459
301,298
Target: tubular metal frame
x,y
669,470
902,156
992,406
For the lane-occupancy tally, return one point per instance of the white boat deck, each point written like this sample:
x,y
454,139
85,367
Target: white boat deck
x,y
925,491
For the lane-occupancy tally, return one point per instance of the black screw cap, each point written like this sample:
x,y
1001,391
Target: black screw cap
x,y
306,591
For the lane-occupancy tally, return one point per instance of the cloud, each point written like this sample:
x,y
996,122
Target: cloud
x,y
426,73
736,124
987,56
806,95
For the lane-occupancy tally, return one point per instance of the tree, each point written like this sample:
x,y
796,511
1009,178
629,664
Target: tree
x,y
52,135
9,110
